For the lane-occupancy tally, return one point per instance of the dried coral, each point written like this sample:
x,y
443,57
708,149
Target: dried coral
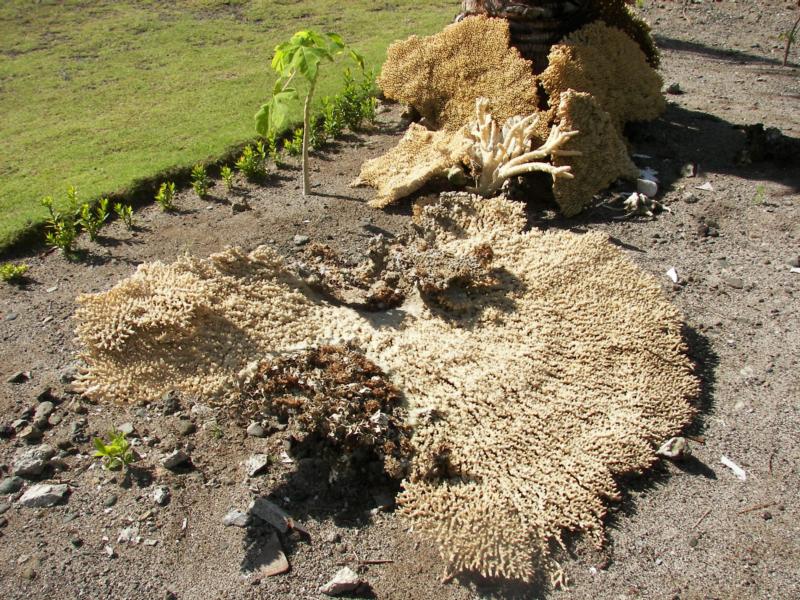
x,y
335,400
498,154
603,159
607,64
442,75
569,371
619,14
420,157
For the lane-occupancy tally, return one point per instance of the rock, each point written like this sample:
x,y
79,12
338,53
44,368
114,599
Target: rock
x,y
794,262
127,429
161,495
301,240
129,535
186,428
33,461
31,434
346,580
734,282
19,377
110,501
675,89
703,230
7,431
11,485
257,464
676,448
271,513
11,316
175,459
4,506
78,431
256,430
236,518
70,373
54,420
170,403
269,560
44,495
42,414
202,411
647,187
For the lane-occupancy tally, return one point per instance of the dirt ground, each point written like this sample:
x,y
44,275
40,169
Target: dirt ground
x,y
691,530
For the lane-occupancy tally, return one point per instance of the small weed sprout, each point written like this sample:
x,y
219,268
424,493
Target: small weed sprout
x,y
92,220
294,147
790,36
760,195
117,453
251,162
200,181
62,226
166,196
227,177
11,273
125,214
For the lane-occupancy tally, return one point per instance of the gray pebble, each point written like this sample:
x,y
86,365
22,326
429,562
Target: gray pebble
x,y
301,240
11,316
110,501
4,506
795,262
734,282
255,430
186,427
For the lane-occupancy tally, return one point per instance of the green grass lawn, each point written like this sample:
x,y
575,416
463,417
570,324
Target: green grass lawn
x,y
96,94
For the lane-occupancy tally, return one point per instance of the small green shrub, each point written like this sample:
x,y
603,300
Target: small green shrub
x,y
332,117
11,273
227,177
125,214
200,180
92,220
61,225
294,147
357,101
166,196
117,453
252,162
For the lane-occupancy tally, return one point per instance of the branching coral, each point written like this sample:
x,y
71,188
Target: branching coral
x,y
498,154
603,159
421,156
442,75
607,64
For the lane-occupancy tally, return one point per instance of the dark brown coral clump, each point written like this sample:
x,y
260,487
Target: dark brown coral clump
x,y
335,399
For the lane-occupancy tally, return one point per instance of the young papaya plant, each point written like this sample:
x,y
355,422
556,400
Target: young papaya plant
x,y
294,61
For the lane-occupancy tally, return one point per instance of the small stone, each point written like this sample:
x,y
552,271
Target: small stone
x,y
346,580
4,506
7,431
70,373
76,542
693,541
43,412
734,282
54,420
175,459
31,434
186,428
300,240
11,316
170,403
794,262
269,560
703,230
256,430
28,573
129,535
110,552
236,518
767,516
11,485
675,89
127,429
202,411
110,501
647,187
44,495
33,461
161,495
257,464
19,377
271,513
676,448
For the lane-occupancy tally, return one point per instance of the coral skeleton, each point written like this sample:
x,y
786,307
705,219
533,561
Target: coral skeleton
x,y
498,154
531,399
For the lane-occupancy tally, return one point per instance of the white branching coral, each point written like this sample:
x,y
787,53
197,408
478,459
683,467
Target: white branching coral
x,y
498,154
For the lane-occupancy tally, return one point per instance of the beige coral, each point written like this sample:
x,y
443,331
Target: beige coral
x,y
564,373
419,157
442,75
603,159
607,64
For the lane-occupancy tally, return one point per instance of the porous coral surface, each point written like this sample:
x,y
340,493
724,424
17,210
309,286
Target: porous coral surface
x,y
442,75
603,155
604,62
564,371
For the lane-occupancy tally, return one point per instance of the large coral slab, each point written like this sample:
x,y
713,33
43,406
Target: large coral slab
x,y
601,158
563,371
604,62
442,75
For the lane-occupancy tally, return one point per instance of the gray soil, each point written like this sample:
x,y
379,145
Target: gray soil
x,y
683,530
